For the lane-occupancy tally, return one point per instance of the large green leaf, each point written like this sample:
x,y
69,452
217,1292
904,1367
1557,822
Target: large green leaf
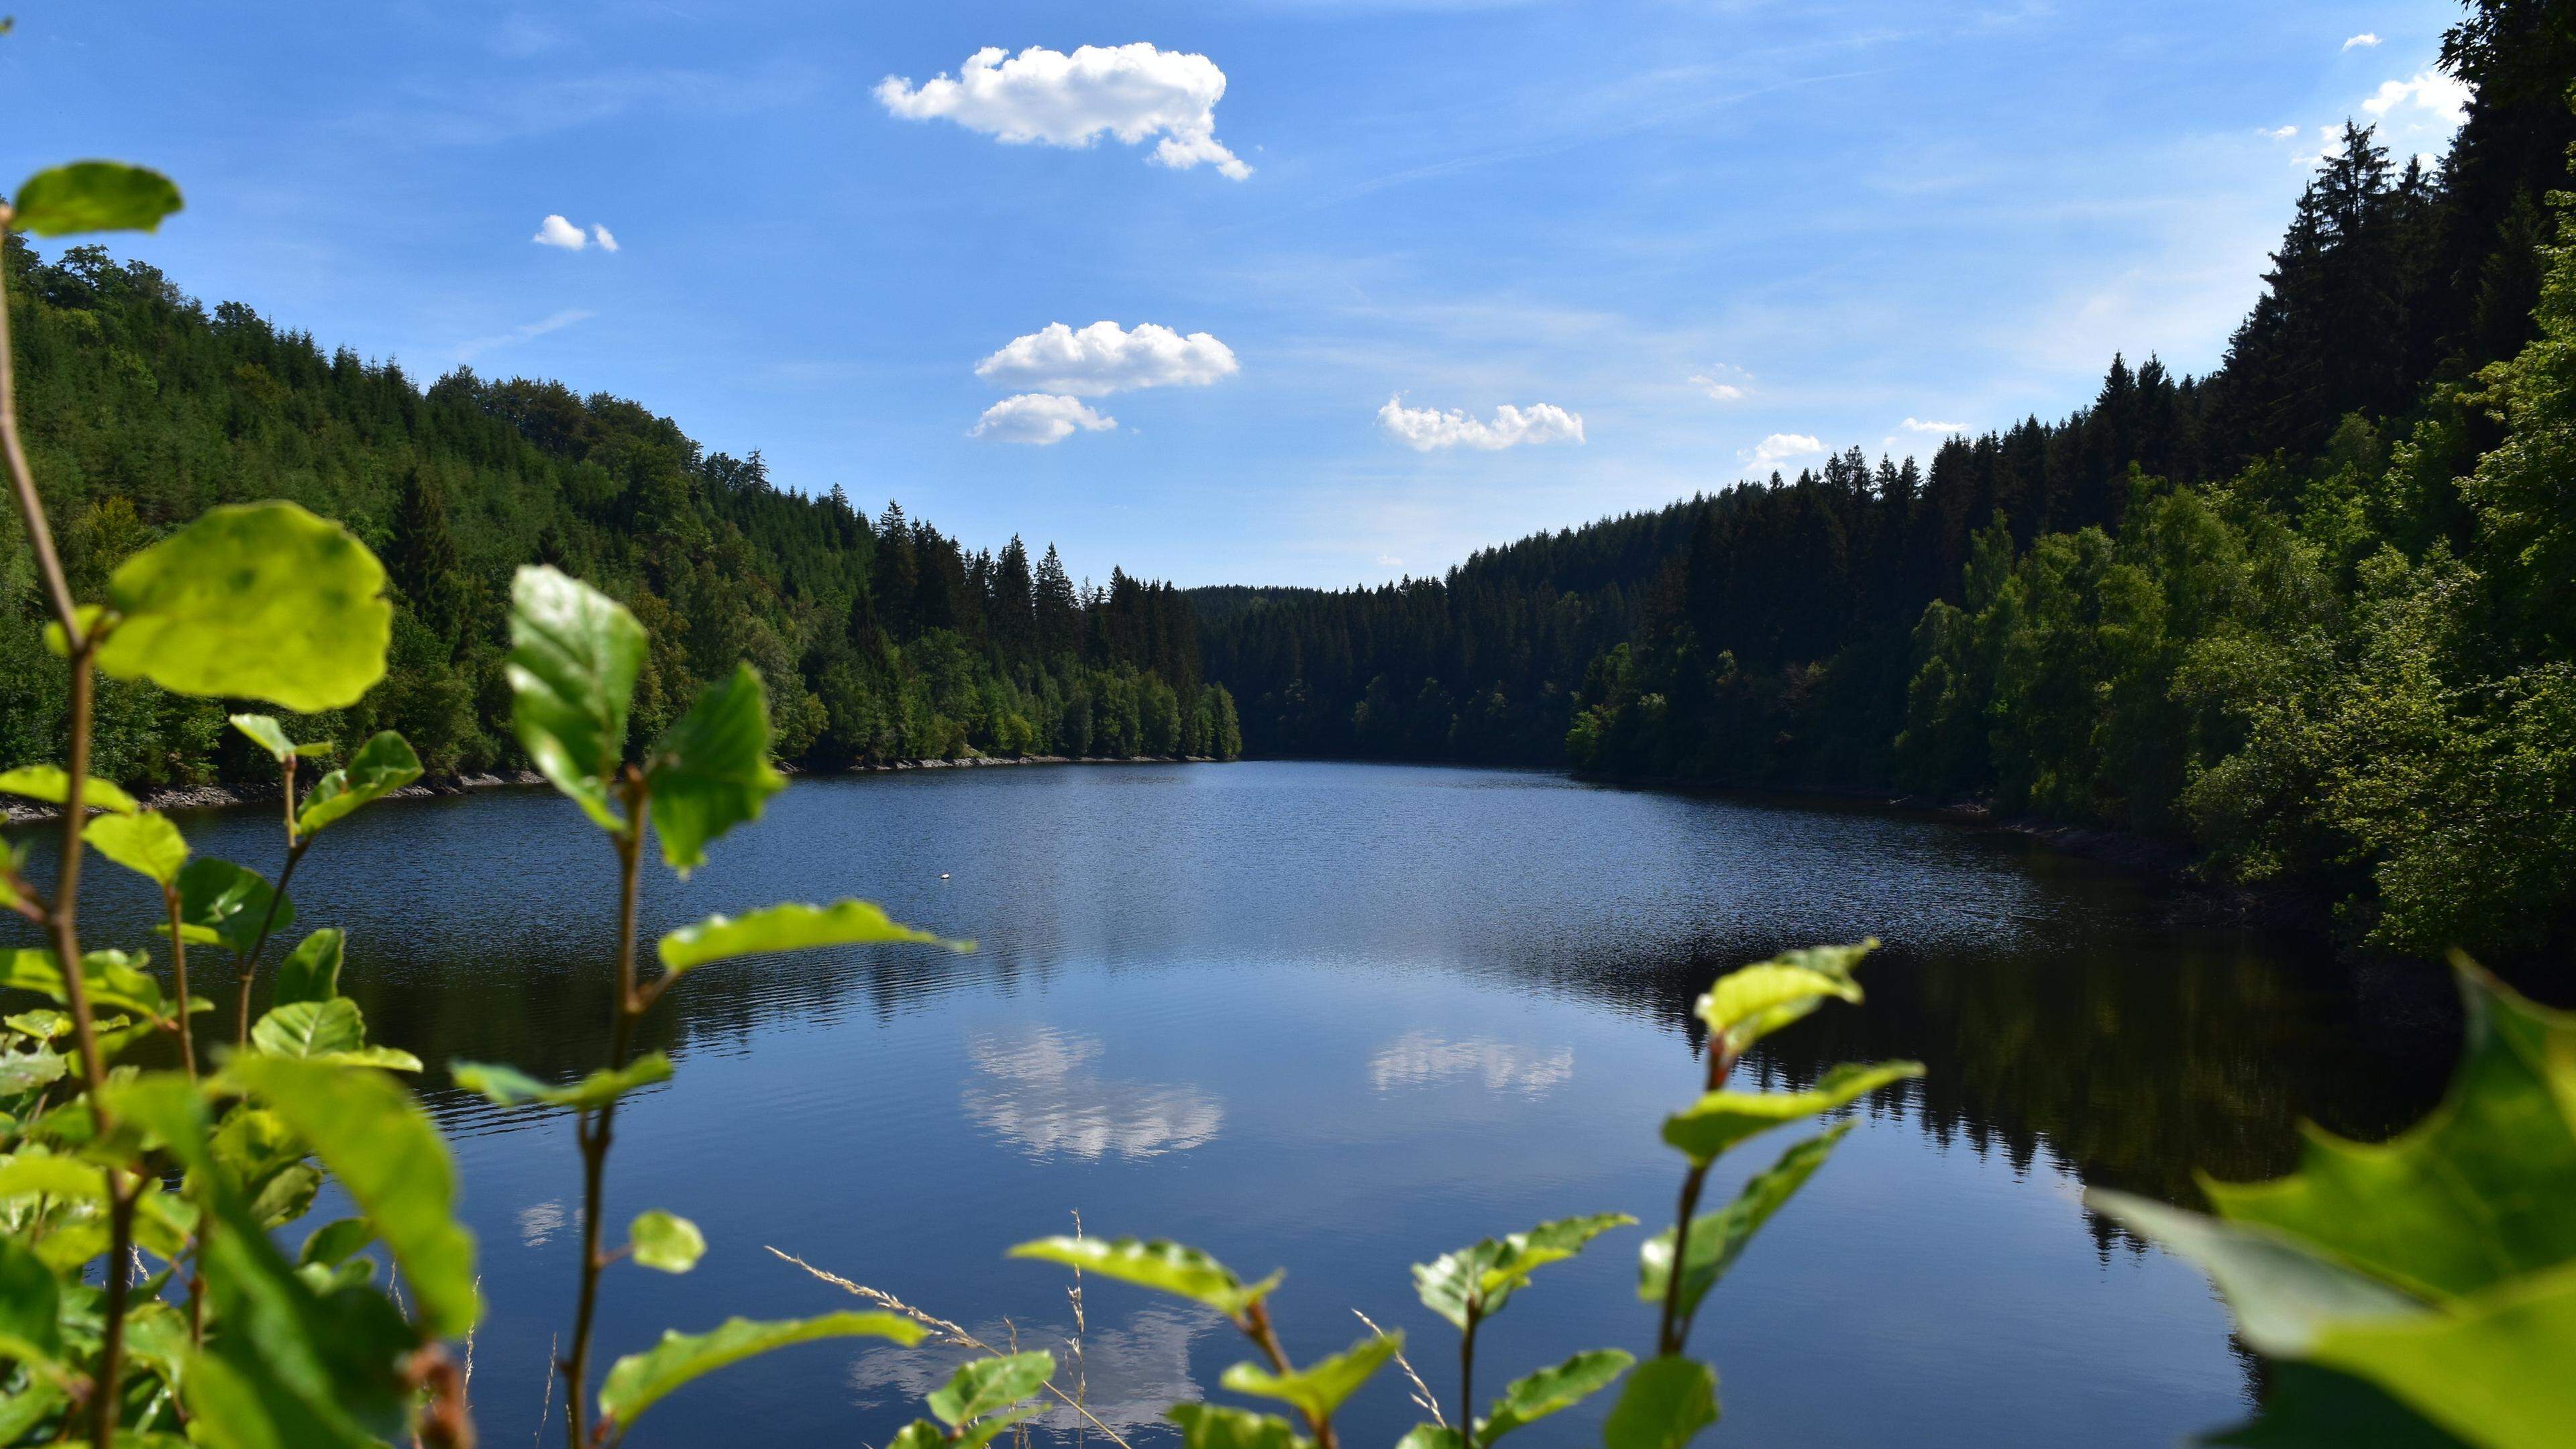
x,y
1320,1387
2476,1193
30,1304
1667,1402
507,1086
264,731
711,770
383,764
1719,1120
2284,1295
387,1155
259,601
1717,1239
923,1434
981,1386
115,981
665,1242
639,1381
1159,1264
2307,1407
2496,1370
1748,1005
296,1369
310,972
49,784
1550,1390
574,656
224,903
93,196
145,843
26,1071
790,927
330,1031
1212,1426
1486,1274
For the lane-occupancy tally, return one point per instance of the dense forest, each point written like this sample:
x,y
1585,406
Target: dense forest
x,y
881,639
2310,613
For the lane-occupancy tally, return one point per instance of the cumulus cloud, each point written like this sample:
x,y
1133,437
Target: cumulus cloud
x,y
2363,41
1104,358
1039,419
554,231
1779,447
1133,92
1722,383
1423,429
601,235
2445,96
1389,561
2278,133
1917,425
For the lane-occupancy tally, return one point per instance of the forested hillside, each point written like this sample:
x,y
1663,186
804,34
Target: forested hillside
x,y
880,639
2312,612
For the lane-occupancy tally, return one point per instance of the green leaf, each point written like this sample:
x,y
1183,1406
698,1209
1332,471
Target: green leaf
x,y
1525,1401
1212,1426
1430,1436
574,656
1717,1239
984,1431
790,927
383,764
2283,1294
30,1304
2473,1195
225,903
49,784
310,972
93,196
145,843
1667,1402
2306,1407
387,1155
265,732
639,1381
1719,1120
337,1242
26,1071
115,981
665,1242
981,1386
1160,1264
1486,1274
330,1031
258,601
1748,1005
510,1087
2494,1371
711,771
1320,1387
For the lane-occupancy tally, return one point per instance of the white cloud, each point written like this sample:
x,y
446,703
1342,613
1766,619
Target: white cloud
x,y
2363,41
1917,425
1418,1058
525,332
1131,92
1423,429
1778,447
554,231
1039,419
1103,358
1389,561
2446,97
1040,1093
600,234
2277,133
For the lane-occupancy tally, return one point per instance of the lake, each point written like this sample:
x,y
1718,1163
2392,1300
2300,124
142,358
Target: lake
x,y
1338,1019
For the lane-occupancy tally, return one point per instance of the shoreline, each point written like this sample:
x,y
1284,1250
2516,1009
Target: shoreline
x,y
232,794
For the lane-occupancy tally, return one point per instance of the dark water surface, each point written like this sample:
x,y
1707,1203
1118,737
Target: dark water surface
x,y
1339,1018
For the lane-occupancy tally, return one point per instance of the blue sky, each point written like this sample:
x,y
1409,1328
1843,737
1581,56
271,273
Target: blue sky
x,y
1678,238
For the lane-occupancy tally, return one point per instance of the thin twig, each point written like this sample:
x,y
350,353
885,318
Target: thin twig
x,y
954,1333
1421,1392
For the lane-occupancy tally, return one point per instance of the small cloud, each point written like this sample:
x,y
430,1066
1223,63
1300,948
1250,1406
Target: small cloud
x,y
1104,358
1722,383
554,231
1917,425
1132,92
1389,561
1423,429
607,241
2277,133
1039,420
2445,96
1779,447
2363,41
526,332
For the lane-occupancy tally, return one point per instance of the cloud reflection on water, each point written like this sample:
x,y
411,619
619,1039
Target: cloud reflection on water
x,y
1037,1088
1418,1057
